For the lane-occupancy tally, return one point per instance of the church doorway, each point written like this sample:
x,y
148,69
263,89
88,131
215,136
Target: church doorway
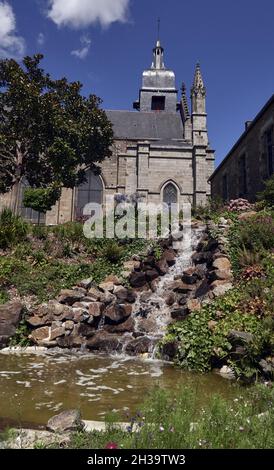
x,y
170,194
90,191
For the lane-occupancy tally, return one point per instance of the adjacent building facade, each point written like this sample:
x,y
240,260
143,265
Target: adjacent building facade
x,y
250,161
161,150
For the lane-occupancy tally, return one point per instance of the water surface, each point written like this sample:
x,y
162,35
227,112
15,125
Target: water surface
x,y
33,388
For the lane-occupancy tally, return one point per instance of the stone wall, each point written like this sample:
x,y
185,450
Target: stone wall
x,y
252,145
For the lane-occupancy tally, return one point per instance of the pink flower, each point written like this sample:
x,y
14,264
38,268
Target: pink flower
x,y
111,445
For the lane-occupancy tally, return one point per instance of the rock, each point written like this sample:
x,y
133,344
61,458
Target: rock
x,y
137,279
80,314
123,294
220,287
112,278
103,341
221,275
145,296
36,321
71,341
227,373
139,346
180,313
170,299
67,421
86,283
40,335
202,290
107,286
56,333
181,287
162,267
239,337
131,265
84,330
169,256
202,257
94,294
125,327
69,296
191,276
69,325
10,317
117,313
194,305
222,264
169,350
107,298
95,309
212,245
151,275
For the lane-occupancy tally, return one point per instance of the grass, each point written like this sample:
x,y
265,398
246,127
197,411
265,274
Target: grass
x,y
246,422
39,261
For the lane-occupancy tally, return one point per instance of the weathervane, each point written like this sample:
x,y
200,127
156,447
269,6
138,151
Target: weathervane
x,y
159,26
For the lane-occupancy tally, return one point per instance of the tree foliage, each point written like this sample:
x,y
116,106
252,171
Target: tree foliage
x,y
49,133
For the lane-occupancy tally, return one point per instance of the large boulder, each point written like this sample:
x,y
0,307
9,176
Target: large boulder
x,y
152,274
67,421
179,313
86,283
140,345
169,256
70,296
202,257
181,287
162,267
191,276
117,313
222,264
41,335
10,317
125,327
95,309
103,341
138,279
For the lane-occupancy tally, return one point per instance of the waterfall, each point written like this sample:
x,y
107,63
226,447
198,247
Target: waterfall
x,y
151,313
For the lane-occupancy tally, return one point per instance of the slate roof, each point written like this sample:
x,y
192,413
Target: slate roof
x,y
133,125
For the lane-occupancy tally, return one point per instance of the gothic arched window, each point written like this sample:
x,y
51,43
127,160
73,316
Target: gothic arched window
x,y
26,212
90,191
170,194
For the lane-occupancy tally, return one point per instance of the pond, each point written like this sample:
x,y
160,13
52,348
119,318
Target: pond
x,y
34,387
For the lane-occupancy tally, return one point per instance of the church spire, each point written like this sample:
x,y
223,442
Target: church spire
x,y
184,102
158,53
198,84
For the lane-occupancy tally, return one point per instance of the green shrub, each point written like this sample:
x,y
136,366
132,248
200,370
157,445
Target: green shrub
x,y
112,251
13,229
266,197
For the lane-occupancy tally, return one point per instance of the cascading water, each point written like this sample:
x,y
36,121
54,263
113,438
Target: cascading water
x,y
151,312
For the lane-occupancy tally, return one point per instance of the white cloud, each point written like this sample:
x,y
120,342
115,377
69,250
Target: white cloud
x,y
84,50
82,13
41,39
11,45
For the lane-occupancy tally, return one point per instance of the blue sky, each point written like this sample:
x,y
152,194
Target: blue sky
x,y
112,42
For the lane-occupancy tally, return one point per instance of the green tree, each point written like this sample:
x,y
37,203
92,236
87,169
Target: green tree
x,y
49,133
267,195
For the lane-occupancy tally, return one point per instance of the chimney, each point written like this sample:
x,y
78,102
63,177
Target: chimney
x,y
247,124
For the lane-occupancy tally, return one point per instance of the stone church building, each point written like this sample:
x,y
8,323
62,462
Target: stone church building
x,y
161,150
